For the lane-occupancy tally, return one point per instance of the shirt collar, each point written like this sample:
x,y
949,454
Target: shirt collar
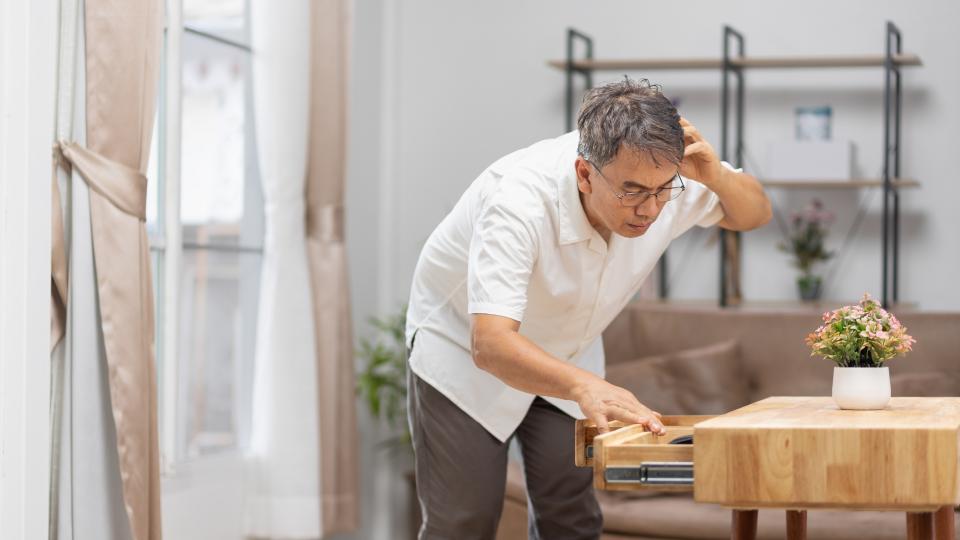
x,y
574,225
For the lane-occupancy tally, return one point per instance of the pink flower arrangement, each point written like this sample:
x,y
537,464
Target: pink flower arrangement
x,y
813,214
862,335
807,234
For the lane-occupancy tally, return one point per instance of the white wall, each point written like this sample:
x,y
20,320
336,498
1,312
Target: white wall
x,y
28,55
383,492
441,89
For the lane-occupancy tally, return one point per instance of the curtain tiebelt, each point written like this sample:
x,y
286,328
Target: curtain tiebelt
x,y
124,187
325,222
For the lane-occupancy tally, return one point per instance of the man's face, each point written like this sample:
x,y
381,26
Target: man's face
x,y
630,172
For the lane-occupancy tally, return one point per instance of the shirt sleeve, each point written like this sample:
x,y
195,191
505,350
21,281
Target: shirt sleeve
x,y
698,206
503,251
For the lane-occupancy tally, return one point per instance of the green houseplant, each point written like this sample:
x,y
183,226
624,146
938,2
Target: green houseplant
x,y
382,385
805,242
856,338
382,382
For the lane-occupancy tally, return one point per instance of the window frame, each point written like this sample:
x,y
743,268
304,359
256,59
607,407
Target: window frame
x,y
167,244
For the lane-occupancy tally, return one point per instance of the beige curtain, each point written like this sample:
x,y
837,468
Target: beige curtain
x,y
327,257
122,69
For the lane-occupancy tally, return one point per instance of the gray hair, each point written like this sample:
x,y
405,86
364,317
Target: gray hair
x,y
629,113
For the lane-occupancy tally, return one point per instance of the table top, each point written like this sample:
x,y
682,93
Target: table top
x,y
822,413
804,452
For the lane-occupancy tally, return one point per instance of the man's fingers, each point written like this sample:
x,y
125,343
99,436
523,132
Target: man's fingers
x,y
653,423
694,148
629,403
631,400
616,403
601,423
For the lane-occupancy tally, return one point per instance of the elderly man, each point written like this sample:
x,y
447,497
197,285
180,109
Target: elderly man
x,y
514,288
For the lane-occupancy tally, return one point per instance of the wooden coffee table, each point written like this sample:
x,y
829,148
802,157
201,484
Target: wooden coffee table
x,y
796,453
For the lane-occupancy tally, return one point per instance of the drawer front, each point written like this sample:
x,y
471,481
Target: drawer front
x,y
629,458
586,431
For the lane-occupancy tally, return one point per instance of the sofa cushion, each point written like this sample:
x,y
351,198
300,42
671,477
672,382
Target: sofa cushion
x,y
926,383
701,380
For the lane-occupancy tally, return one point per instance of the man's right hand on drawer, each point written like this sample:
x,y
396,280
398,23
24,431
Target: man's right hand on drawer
x,y
602,402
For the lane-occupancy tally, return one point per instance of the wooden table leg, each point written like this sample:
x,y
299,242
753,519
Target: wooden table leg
x,y
796,525
919,525
744,525
945,526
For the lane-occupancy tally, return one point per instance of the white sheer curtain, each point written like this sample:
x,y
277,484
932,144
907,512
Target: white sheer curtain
x,y
87,501
284,480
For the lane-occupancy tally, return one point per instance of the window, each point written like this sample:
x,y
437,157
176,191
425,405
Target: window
x,y
220,226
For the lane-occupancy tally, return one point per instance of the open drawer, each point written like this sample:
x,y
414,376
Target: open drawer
x,y
630,458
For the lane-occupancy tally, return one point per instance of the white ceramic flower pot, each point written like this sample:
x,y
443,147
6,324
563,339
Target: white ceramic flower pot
x,y
861,388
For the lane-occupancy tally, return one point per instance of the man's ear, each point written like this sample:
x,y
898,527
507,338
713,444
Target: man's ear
x,y
584,171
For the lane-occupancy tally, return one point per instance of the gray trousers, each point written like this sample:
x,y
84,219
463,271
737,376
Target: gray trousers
x,y
461,471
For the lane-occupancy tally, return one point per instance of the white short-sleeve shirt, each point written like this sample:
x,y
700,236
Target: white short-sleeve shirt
x,y
518,244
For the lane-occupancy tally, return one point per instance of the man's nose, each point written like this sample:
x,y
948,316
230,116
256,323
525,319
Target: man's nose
x,y
648,207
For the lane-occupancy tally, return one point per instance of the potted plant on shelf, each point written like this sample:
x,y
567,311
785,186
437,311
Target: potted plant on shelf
x,y
860,339
806,243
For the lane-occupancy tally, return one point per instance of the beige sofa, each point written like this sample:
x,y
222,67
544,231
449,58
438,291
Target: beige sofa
x,y
703,360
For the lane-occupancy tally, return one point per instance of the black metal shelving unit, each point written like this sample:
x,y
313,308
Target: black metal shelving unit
x,y
892,101
732,66
731,242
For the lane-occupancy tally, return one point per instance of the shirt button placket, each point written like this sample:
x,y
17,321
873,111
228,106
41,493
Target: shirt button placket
x,y
604,257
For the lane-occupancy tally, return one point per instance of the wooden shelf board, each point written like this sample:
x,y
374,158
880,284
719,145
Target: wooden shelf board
x,y
818,306
865,60
626,64
839,184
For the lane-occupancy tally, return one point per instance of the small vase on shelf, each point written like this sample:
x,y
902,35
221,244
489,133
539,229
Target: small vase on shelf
x,y
809,286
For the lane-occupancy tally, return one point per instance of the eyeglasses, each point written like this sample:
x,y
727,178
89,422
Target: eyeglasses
x,y
636,198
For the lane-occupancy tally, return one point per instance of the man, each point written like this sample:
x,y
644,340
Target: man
x,y
514,288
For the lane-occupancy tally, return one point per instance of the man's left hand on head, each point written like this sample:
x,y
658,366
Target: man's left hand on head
x,y
700,161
